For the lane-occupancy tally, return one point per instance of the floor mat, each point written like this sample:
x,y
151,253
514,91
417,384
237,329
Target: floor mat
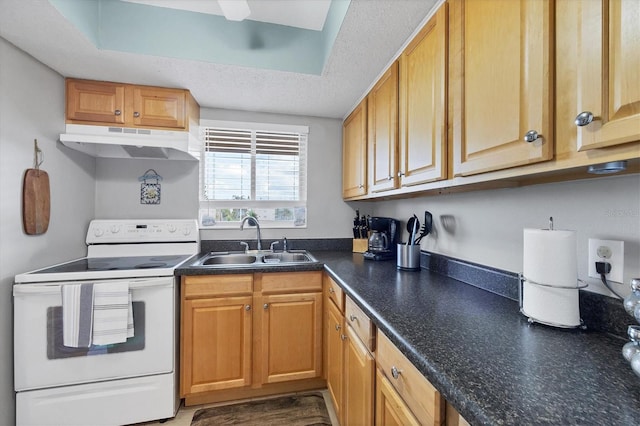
x,y
294,410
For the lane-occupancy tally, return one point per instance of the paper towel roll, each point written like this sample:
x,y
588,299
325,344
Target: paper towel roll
x,y
550,258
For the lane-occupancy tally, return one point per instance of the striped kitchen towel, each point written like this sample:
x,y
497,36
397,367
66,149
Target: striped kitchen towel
x,y
77,315
112,312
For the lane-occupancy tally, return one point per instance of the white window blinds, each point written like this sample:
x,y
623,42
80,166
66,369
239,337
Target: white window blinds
x,y
258,172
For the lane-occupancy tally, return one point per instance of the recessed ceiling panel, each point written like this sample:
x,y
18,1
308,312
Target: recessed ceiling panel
x,y
132,27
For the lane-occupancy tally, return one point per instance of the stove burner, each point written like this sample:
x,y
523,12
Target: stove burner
x,y
150,265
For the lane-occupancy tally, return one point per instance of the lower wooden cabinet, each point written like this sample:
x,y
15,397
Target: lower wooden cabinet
x,y
422,399
335,339
245,335
291,337
359,369
391,410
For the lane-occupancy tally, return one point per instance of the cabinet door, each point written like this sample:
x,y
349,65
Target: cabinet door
x,y
156,107
291,337
390,408
501,82
382,132
359,368
608,72
95,102
335,350
422,110
216,344
354,153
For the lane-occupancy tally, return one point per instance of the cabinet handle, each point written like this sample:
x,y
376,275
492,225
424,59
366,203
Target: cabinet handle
x,y
117,112
343,337
395,373
584,118
247,307
390,178
400,174
136,114
531,136
265,306
361,186
352,318
338,327
331,290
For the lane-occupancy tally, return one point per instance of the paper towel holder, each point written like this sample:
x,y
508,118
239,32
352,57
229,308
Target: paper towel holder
x,y
530,319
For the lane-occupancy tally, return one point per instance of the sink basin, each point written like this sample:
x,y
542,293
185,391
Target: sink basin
x,y
252,259
229,259
286,257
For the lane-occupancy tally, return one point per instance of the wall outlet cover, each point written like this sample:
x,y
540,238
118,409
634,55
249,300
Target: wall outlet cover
x,y
610,251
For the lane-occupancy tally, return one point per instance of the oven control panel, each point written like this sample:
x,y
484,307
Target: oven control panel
x,y
151,230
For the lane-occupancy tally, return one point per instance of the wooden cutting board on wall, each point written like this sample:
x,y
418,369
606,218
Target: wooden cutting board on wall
x,y
36,202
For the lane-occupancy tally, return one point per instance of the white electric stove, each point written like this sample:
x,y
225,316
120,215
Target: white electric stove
x,y
115,384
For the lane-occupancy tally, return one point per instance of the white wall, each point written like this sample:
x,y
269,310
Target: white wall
x,y
489,224
118,189
327,215
32,106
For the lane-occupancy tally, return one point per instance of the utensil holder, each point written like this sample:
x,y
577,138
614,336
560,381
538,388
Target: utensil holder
x,y
408,258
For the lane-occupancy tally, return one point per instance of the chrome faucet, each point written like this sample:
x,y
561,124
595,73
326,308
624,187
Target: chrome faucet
x,y
252,221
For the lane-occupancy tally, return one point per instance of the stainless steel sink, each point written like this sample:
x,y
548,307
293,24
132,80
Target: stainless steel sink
x,y
252,258
286,257
229,259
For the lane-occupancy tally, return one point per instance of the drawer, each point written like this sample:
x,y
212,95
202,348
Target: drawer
x,y
200,286
360,323
290,282
334,292
421,397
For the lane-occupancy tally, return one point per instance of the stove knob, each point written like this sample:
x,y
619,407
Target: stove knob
x,y
115,229
171,228
98,232
186,231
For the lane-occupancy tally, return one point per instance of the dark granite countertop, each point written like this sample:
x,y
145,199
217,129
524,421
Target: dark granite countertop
x,y
482,355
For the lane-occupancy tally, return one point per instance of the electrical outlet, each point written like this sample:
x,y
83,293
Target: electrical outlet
x,y
607,251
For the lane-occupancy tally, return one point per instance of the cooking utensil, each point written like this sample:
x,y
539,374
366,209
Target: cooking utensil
x,y
36,198
426,227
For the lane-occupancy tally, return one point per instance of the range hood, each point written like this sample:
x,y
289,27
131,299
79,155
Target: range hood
x,y
124,142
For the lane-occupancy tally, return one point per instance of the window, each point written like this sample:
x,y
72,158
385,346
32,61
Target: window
x,y
253,169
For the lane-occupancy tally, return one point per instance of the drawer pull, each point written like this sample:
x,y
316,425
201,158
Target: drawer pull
x,y
331,290
352,318
395,373
343,337
338,327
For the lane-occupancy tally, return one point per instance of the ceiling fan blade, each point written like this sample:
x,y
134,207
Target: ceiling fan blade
x,y
235,10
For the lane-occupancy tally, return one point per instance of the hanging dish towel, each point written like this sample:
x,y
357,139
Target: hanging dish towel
x,y
77,315
111,313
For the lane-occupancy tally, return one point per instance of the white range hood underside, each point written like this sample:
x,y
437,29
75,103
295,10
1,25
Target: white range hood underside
x,y
123,142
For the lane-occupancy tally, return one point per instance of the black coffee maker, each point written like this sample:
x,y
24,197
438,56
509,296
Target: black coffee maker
x,y
383,238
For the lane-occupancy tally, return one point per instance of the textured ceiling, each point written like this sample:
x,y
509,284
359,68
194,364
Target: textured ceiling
x,y
371,34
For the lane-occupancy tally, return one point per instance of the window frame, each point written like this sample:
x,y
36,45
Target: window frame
x,y
254,205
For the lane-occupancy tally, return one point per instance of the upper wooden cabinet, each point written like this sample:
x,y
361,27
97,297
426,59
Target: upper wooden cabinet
x,y
106,103
608,68
500,84
354,153
382,132
422,108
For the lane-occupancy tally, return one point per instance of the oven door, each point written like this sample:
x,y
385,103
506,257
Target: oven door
x,y
41,360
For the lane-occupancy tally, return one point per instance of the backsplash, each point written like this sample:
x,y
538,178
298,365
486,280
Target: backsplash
x,y
313,244
598,312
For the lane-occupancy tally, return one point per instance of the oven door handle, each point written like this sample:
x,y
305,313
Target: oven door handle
x,y
26,289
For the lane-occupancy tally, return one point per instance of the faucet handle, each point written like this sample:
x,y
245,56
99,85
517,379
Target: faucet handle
x,y
284,248
245,245
273,244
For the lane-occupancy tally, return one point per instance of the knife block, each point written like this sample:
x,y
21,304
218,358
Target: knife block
x,y
360,245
